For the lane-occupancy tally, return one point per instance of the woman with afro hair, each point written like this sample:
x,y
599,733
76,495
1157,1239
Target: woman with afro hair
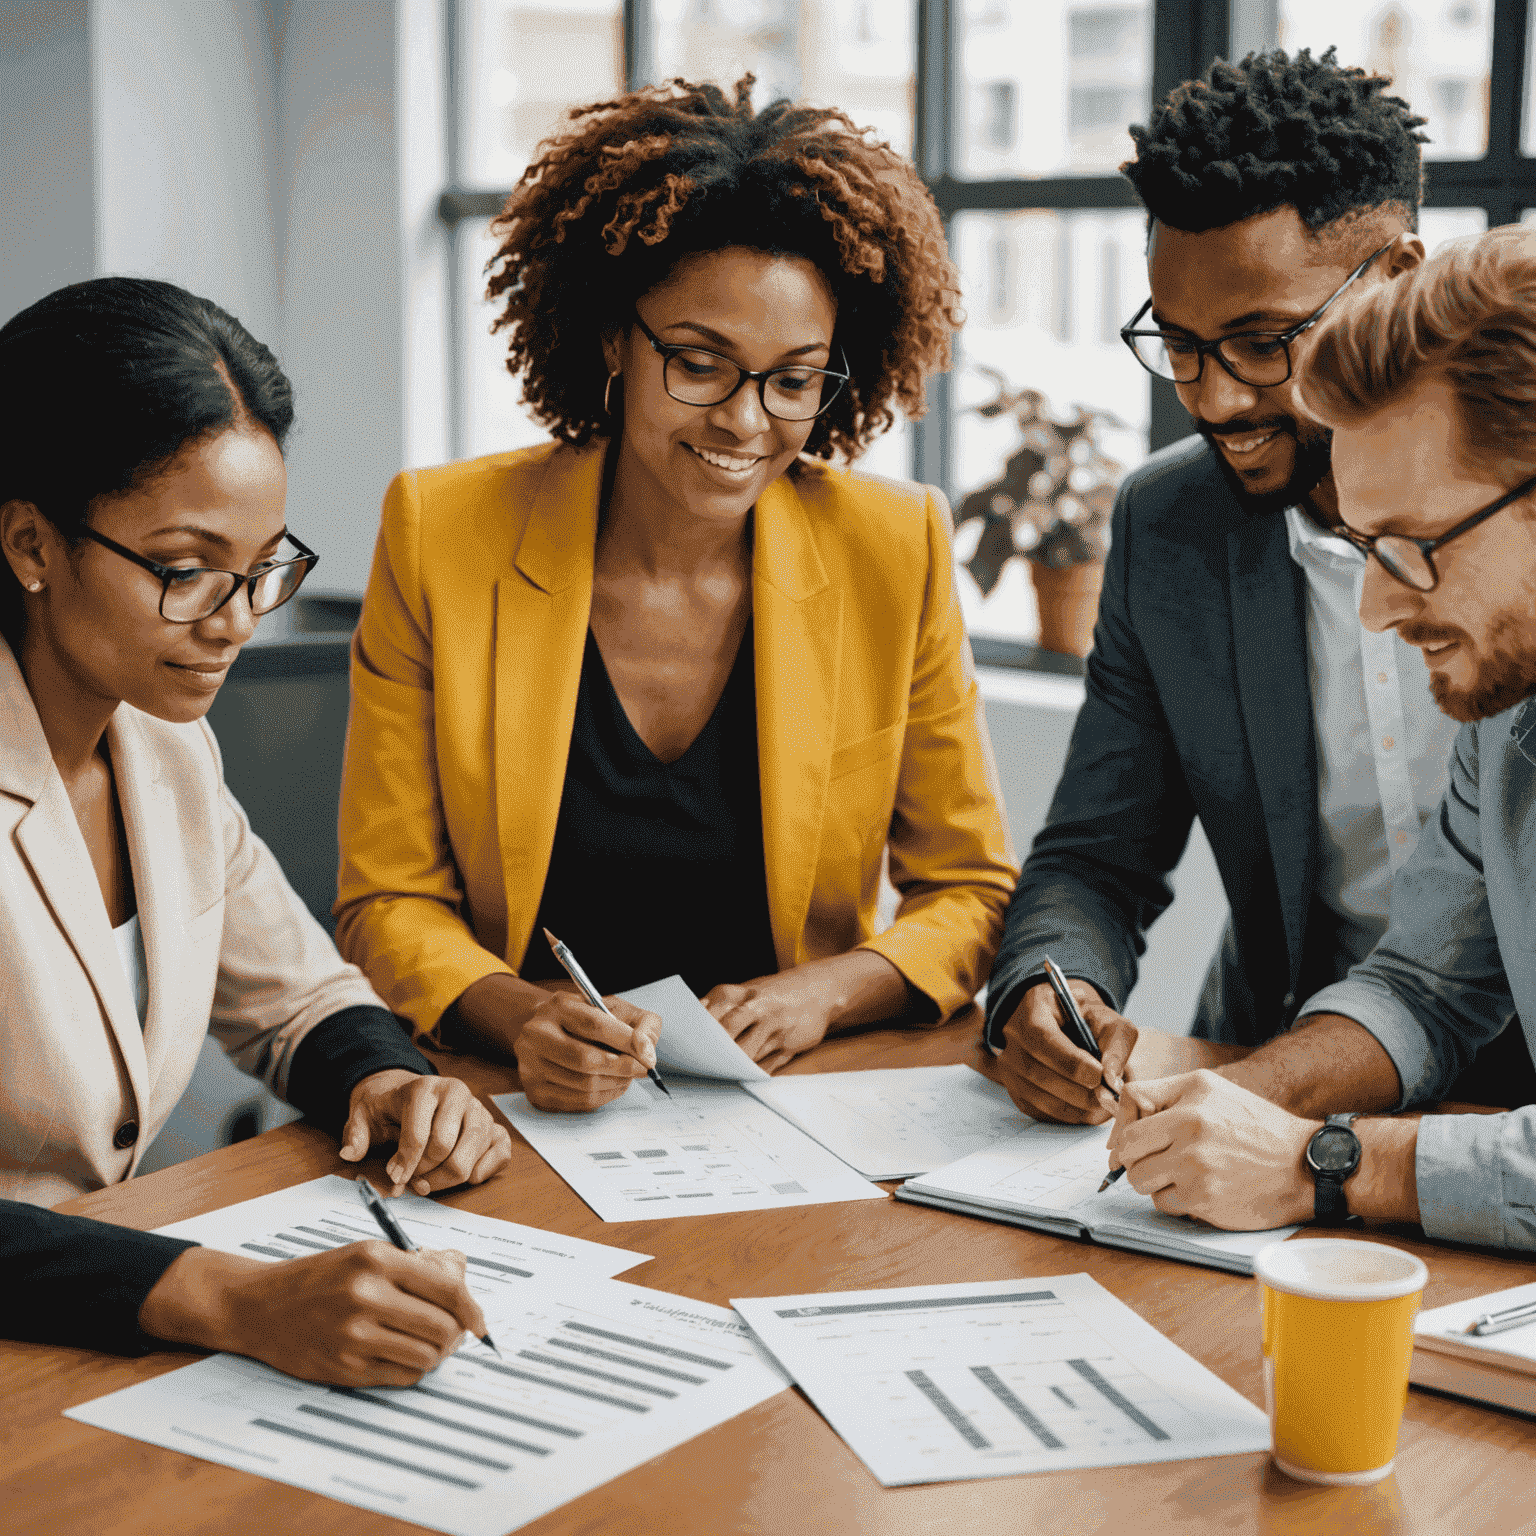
x,y
672,684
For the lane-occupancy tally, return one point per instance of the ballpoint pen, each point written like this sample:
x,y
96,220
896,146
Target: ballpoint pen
x,y
574,971
1497,1322
398,1236
1076,1025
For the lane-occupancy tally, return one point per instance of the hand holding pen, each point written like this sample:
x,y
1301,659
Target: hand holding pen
x,y
647,1054
1076,1026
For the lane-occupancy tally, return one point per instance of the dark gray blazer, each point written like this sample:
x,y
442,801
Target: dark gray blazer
x,y
1197,705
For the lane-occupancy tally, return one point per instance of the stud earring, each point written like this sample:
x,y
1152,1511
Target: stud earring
x,y
608,390
34,586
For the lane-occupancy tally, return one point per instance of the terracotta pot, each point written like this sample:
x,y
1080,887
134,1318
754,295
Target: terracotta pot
x,y
1068,599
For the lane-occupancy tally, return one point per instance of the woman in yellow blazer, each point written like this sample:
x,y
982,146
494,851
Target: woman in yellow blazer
x,y
672,685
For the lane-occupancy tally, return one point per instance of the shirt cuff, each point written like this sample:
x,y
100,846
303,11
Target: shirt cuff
x,y
1476,1178
1000,1012
1397,1031
339,1052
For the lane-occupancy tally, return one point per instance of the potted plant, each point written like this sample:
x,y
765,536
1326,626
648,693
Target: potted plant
x,y
1051,505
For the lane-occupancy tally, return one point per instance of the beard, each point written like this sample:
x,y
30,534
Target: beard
x,y
1504,663
1314,447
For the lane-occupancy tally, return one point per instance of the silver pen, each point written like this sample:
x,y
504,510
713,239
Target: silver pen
x,y
399,1236
1497,1322
573,969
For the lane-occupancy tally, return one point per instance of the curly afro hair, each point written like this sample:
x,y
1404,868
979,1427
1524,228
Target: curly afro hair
x,y
1275,131
609,208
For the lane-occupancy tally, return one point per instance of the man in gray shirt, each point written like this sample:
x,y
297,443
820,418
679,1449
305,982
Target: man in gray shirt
x,y
1430,386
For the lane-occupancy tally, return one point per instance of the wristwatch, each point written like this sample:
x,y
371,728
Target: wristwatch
x,y
1332,1155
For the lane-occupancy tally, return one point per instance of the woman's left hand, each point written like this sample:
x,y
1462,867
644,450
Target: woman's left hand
x,y
774,1018
445,1135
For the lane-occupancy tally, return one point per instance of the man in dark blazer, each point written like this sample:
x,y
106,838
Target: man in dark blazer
x,y
1228,676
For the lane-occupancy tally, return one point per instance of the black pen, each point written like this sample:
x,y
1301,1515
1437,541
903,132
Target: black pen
x,y
398,1236
573,969
1075,1024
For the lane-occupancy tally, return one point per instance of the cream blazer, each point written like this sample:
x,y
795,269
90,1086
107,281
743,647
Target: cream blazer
x,y
227,944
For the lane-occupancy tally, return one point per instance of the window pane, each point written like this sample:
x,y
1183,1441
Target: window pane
x,y
1436,51
1047,87
523,63
1437,225
854,54
1045,295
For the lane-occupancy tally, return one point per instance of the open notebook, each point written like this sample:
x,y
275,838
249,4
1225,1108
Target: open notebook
x,y
1495,1368
1047,1177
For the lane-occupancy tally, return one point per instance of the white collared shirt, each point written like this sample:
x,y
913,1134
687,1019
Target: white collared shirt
x,y
1382,744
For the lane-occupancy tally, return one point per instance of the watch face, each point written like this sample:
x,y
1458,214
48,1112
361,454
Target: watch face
x,y
1333,1150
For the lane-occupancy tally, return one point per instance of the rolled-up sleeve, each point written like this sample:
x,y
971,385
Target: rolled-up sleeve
x,y
1434,989
1477,1178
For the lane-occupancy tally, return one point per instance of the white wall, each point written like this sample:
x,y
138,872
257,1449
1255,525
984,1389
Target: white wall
x,y
47,234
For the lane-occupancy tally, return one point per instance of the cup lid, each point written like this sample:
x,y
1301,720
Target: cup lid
x,y
1340,1269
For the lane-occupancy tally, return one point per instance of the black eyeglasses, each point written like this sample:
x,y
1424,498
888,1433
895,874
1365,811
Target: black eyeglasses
x,y
695,376
1260,359
1407,560
191,593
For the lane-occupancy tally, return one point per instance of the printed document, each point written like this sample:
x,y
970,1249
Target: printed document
x,y
935,1383
692,1040
597,1377
327,1213
1047,1177
892,1123
710,1147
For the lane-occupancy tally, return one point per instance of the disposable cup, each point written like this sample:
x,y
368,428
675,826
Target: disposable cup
x,y
1338,1340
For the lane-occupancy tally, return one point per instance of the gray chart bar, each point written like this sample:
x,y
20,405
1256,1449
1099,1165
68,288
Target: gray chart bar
x,y
634,1365
357,1450
395,1434
1111,1393
271,1253
564,1386
963,1426
500,1269
656,1349
610,1377
932,1303
1015,1405
395,1406
498,1413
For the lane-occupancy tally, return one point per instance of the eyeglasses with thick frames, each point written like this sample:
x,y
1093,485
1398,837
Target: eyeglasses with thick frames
x,y
189,594
697,376
1260,359
1407,560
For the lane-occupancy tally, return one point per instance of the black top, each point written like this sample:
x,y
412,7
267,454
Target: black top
x,y
72,1280
657,867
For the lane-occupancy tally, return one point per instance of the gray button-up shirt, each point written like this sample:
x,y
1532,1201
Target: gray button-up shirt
x,y
1456,964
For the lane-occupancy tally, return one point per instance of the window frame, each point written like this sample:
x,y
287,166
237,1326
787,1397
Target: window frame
x,y
1186,36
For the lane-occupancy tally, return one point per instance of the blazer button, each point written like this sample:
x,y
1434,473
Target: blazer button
x,y
1289,1000
125,1135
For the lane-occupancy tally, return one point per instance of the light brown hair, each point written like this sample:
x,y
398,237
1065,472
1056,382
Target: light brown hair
x,y
1467,316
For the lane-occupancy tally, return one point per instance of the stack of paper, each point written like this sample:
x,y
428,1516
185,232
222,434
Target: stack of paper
x,y
1493,1368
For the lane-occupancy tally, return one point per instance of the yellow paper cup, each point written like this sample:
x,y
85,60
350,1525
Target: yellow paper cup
x,y
1338,1339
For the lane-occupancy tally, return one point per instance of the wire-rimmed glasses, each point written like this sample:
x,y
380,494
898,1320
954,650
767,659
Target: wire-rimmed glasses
x,y
1407,559
1260,359
189,594
697,376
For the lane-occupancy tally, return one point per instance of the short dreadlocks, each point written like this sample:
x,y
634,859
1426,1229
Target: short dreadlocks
x,y
609,208
1275,131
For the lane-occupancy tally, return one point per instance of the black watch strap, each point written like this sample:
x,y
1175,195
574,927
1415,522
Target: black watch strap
x,y
1330,1206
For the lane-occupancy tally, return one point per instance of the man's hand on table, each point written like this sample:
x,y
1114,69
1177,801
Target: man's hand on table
x,y
1048,1076
444,1134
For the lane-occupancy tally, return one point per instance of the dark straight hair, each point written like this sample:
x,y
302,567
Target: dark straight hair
x,y
103,383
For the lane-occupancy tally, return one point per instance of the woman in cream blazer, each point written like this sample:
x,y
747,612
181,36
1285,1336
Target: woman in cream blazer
x,y
548,634
141,519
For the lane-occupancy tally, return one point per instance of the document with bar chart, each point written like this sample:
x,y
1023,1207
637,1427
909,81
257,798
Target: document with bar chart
x,y
710,1147
935,1383
596,1377
327,1213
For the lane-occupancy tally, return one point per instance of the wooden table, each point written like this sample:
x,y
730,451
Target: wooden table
x,y
780,1468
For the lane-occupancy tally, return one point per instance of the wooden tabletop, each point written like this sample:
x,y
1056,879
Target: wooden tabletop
x,y
780,1468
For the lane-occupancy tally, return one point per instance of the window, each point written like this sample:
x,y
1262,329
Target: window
x,y
1015,112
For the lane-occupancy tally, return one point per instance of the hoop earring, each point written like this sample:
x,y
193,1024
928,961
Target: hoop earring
x,y
608,390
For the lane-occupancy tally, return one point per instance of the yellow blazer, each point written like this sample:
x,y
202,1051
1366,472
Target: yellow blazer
x,y
83,1089
465,670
